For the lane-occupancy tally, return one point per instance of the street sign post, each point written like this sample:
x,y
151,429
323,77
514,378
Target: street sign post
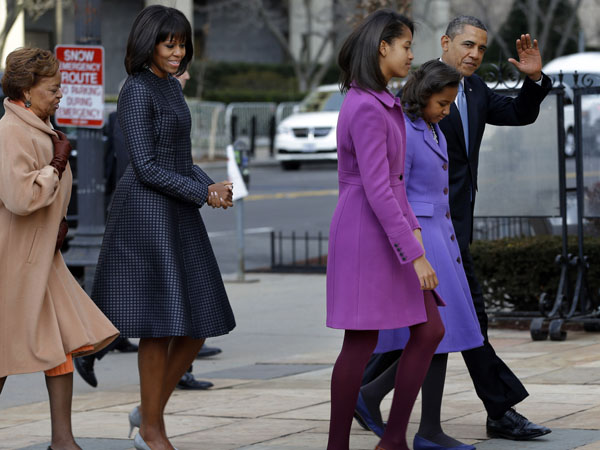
x,y
85,246
82,83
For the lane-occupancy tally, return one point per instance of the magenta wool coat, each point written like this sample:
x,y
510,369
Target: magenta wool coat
x,y
371,283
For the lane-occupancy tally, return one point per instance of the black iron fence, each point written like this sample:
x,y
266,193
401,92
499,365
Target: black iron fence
x,y
301,252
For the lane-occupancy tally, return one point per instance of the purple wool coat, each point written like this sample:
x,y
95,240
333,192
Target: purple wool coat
x,y
426,177
371,283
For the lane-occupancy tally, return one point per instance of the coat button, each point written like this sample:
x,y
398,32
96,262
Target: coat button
x,y
445,166
447,214
403,258
458,260
452,238
400,177
445,191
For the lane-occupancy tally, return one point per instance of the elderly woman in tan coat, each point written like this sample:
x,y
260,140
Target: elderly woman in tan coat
x,y
45,316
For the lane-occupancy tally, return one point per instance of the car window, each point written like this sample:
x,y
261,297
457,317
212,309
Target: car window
x,y
322,101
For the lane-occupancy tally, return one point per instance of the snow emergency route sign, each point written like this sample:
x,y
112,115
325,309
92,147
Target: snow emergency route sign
x,y
82,84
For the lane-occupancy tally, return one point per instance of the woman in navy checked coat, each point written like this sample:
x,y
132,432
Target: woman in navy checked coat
x,y
157,277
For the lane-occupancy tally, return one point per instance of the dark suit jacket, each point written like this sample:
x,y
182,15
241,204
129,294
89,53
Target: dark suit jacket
x,y
484,106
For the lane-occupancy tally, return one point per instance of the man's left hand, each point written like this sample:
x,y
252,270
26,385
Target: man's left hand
x,y
530,59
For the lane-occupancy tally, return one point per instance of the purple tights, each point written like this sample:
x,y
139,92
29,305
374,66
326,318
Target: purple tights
x,y
412,368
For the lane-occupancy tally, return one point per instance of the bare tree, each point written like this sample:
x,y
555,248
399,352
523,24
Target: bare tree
x,y
541,24
310,64
34,8
325,26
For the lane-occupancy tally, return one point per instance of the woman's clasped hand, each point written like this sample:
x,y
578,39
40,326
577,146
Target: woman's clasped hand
x,y
220,195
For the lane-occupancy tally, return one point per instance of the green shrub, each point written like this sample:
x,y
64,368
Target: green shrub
x,y
248,82
514,272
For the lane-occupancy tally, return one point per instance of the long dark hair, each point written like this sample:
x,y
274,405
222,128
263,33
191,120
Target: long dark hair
x,y
152,26
432,77
359,57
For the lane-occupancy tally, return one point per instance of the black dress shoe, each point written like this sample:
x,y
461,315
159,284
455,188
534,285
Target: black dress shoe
x,y
513,425
190,383
126,346
85,368
206,351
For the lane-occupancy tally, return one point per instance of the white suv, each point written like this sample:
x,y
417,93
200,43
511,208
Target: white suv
x,y
586,63
309,134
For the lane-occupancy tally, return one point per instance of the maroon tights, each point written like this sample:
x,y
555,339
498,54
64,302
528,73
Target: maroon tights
x,y
412,368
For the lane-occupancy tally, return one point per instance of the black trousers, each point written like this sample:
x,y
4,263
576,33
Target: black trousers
x,y
496,385
99,355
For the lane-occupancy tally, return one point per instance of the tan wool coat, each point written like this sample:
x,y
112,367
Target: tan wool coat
x,y
44,313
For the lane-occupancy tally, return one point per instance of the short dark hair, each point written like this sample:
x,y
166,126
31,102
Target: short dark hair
x,y
24,68
432,77
359,56
153,25
457,25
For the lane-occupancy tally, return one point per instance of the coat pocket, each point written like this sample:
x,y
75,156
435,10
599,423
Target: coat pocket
x,y
422,209
32,255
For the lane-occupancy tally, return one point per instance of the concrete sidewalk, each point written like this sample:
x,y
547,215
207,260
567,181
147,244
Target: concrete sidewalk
x,y
272,386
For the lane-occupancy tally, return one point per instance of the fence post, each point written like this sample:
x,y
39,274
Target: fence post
x,y
272,136
212,137
272,249
252,136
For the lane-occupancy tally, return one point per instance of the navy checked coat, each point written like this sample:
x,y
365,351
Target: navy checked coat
x,y
157,274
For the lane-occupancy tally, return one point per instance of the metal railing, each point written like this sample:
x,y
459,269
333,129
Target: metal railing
x,y
298,252
307,252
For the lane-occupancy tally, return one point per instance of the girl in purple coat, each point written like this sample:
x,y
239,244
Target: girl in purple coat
x,y
377,274
427,98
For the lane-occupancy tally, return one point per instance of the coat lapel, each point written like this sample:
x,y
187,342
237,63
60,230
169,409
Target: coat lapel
x,y
420,125
457,127
472,110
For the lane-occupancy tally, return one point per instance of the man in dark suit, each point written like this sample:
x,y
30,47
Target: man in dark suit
x,y
463,47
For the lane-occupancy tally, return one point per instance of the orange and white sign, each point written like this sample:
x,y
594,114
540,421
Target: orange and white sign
x,y
82,83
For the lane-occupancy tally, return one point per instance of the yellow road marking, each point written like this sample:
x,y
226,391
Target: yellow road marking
x,y
571,175
287,195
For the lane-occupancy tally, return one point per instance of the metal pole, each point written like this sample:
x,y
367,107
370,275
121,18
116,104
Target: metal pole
x,y
58,21
239,225
85,246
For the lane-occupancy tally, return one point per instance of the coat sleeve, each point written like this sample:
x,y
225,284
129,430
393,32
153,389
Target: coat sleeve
x,y
201,176
368,130
135,112
520,110
26,184
408,162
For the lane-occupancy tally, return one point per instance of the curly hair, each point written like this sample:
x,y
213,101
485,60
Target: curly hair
x,y
24,68
432,77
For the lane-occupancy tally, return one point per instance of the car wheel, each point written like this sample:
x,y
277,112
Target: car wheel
x,y
570,143
290,165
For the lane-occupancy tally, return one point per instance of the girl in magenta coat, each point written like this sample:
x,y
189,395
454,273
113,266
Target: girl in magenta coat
x,y
427,97
377,274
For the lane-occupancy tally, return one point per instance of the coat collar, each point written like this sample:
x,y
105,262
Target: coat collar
x,y
28,117
419,124
386,97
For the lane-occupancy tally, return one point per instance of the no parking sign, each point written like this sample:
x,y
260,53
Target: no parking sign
x,y
82,83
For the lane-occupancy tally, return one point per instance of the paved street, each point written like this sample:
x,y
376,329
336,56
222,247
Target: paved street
x,y
272,386
300,201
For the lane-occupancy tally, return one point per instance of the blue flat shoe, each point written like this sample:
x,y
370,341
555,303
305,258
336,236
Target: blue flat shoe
x,y
365,416
421,443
